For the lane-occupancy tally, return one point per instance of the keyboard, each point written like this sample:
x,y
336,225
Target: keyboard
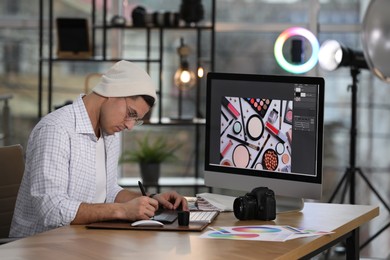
x,y
203,216
169,216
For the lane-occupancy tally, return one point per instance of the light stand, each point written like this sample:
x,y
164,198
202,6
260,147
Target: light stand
x,y
349,176
347,57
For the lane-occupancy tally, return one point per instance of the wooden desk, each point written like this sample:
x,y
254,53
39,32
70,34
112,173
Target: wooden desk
x,y
77,242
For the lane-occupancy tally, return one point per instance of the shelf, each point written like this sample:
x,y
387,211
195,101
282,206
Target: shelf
x,y
98,59
127,27
155,49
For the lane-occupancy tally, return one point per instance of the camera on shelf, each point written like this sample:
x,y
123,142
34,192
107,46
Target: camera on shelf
x,y
260,204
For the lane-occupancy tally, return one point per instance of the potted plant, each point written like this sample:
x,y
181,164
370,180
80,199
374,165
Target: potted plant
x,y
150,154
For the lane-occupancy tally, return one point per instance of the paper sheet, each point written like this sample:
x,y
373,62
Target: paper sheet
x,y
261,233
211,201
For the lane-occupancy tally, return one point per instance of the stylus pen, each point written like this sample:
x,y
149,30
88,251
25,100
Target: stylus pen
x,y
243,142
141,187
262,147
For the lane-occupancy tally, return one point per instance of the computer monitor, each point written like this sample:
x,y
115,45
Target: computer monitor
x,y
265,131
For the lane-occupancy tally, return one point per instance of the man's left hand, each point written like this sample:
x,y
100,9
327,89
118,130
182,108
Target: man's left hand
x,y
171,200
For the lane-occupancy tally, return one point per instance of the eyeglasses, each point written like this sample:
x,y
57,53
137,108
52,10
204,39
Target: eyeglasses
x,y
132,116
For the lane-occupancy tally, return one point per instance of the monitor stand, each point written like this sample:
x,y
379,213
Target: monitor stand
x,y
288,204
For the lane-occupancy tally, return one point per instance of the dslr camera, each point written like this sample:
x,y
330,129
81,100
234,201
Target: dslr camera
x,y
259,204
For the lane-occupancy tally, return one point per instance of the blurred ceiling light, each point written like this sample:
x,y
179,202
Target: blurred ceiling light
x,y
184,78
200,72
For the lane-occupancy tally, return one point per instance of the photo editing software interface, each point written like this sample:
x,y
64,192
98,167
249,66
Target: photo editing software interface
x,y
269,128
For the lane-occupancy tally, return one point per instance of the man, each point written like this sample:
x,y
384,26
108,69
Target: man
x,y
72,158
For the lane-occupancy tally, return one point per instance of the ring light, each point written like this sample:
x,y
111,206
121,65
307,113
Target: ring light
x,y
278,50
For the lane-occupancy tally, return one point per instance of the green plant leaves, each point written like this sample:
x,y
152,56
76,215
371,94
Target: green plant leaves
x,y
156,151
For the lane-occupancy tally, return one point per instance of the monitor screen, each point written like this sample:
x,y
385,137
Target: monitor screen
x,y
265,131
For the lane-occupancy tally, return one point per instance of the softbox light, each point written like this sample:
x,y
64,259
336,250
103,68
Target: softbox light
x,y
376,38
333,55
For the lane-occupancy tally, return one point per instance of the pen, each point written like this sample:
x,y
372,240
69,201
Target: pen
x,y
141,187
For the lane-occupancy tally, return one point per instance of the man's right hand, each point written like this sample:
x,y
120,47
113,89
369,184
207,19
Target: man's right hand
x,y
140,208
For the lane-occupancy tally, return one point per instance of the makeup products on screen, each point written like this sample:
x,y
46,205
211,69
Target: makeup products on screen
x,y
255,127
279,148
243,142
286,168
281,112
273,115
270,160
226,148
226,162
275,132
241,156
237,127
285,158
231,121
258,166
289,136
242,120
232,110
261,149
288,113
224,116
259,105
288,150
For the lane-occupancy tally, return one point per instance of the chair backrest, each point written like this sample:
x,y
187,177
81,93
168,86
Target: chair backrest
x,y
11,173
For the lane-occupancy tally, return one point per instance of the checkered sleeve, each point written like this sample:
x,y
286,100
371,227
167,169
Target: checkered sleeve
x,y
49,164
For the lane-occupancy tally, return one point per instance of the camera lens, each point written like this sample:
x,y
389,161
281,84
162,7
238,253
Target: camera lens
x,y
245,208
238,208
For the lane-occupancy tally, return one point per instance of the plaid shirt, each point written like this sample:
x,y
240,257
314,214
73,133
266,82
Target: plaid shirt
x,y
60,171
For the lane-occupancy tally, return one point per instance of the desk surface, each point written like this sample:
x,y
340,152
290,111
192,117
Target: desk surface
x,y
77,242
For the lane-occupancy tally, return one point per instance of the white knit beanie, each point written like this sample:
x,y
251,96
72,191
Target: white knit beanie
x,y
125,79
